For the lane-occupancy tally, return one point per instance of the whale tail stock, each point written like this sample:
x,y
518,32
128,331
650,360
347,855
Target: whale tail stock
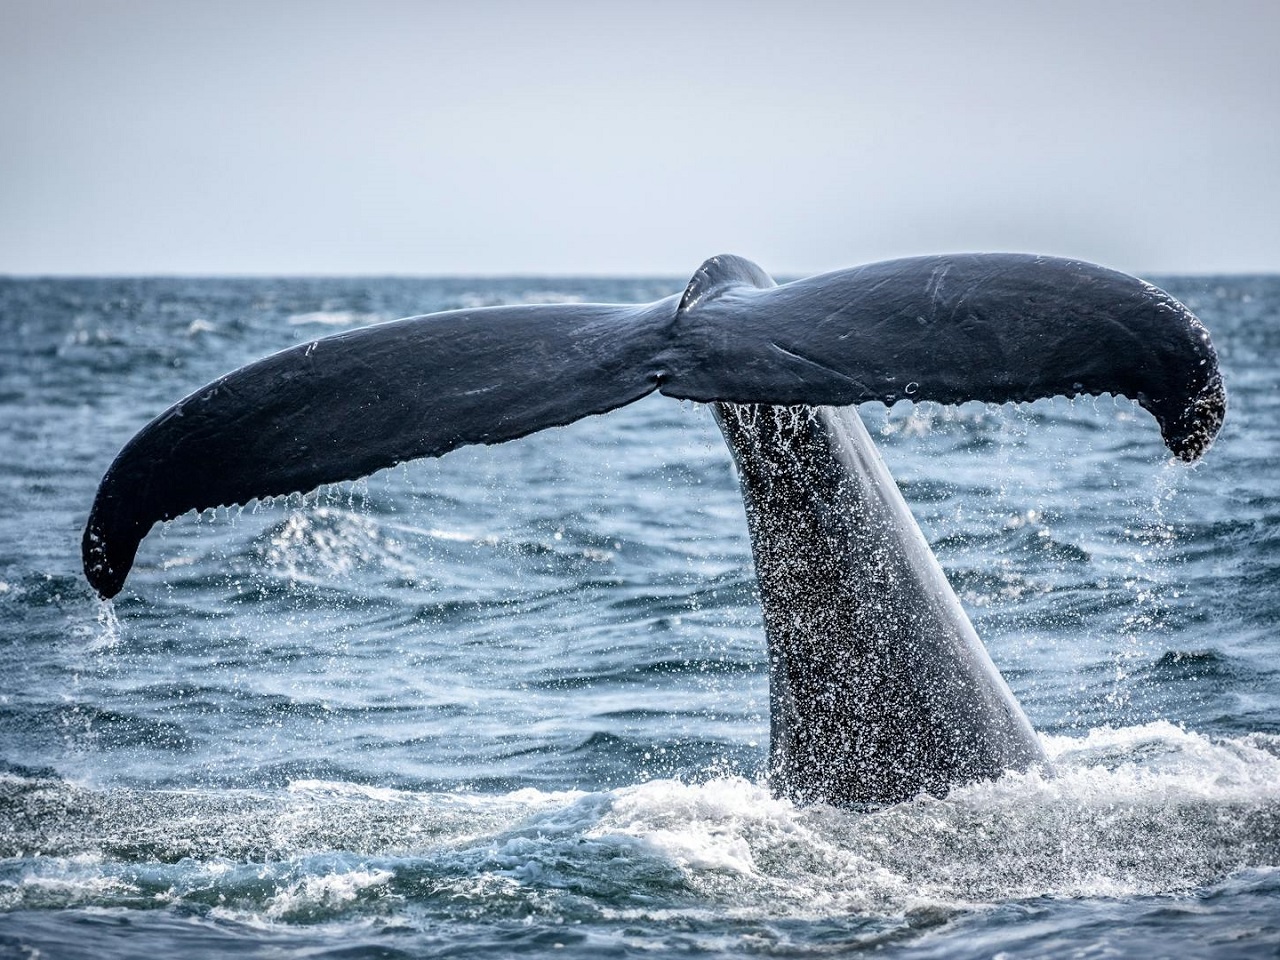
x,y
995,327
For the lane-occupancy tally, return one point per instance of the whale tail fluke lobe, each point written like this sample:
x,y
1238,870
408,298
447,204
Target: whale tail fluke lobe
x,y
344,406
993,327
998,327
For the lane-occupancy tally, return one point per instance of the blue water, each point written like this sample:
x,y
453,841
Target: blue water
x,y
514,701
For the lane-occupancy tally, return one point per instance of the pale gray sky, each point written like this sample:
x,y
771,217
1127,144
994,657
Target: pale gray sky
x,y
561,137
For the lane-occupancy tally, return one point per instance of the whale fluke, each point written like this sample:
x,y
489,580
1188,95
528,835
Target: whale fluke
x,y
996,327
879,686
341,407
993,327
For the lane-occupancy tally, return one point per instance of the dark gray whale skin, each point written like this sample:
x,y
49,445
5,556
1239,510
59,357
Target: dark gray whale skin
x,y
879,686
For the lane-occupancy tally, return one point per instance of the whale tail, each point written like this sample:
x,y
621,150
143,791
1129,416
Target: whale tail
x,y
995,327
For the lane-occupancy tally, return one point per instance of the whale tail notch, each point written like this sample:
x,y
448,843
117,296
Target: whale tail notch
x,y
994,327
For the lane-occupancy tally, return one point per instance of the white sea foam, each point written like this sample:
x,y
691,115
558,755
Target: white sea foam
x,y
326,892
1136,811
474,300
333,318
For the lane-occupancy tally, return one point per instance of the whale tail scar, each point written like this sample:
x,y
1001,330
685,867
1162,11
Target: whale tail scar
x,y
995,327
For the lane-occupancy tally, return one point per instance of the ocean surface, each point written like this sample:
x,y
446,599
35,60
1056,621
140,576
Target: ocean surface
x,y
514,701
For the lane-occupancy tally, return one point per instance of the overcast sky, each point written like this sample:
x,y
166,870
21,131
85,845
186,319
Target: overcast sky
x,y
558,137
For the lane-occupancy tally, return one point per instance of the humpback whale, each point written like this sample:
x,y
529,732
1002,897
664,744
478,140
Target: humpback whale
x,y
879,686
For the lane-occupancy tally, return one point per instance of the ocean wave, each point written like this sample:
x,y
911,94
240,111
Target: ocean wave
x,y
333,318
1145,810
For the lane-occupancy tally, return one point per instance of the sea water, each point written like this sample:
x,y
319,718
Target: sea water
x,y
514,701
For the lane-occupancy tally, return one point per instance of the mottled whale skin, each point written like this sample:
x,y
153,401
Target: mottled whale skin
x,y
879,687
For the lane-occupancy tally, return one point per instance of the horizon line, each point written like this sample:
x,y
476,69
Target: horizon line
x,y
508,275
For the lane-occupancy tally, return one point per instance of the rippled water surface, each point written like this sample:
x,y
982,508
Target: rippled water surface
x,y
514,701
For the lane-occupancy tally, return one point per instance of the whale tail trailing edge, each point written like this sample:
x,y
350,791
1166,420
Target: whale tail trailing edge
x,y
996,327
